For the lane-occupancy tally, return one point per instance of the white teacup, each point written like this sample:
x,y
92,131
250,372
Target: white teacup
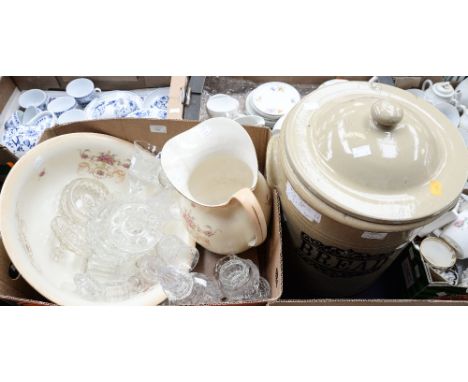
x,y
43,121
60,105
456,234
73,115
29,114
83,90
34,97
439,92
250,120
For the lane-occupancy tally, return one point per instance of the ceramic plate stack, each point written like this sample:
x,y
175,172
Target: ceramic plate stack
x,y
271,101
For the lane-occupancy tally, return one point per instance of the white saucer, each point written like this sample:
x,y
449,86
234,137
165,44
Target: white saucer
x,y
437,252
274,99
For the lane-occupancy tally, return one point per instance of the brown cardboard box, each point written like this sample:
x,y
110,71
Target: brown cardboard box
x,y
240,86
268,256
102,82
405,82
11,87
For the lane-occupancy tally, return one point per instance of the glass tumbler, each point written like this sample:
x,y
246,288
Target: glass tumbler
x,y
81,197
238,278
144,170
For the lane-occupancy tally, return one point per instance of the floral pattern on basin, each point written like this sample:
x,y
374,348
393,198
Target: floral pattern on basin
x,y
103,165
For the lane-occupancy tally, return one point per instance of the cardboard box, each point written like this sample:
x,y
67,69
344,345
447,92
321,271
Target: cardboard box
x,y
268,256
11,88
408,281
421,282
240,86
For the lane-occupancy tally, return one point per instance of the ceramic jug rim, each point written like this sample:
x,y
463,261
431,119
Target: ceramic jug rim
x,y
183,152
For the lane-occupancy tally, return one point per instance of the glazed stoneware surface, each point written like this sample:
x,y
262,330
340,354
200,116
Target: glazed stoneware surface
x,y
402,172
29,202
359,167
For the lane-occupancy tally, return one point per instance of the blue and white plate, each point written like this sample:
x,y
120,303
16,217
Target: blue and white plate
x,y
158,99
115,104
149,113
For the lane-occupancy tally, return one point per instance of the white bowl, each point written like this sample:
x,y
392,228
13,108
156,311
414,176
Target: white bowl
x,y
250,120
29,201
222,105
60,105
73,115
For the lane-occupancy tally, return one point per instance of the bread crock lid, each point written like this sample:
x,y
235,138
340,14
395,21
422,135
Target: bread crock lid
x,y
375,152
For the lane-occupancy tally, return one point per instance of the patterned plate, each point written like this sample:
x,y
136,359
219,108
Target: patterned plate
x,y
149,113
274,99
157,99
115,104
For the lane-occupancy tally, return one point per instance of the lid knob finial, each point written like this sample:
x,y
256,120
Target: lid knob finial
x,y
386,114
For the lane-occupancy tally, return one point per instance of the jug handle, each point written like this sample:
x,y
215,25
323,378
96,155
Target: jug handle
x,y
252,207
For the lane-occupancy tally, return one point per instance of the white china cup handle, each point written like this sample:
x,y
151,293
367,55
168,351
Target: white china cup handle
x,y
457,98
97,90
461,109
427,84
374,79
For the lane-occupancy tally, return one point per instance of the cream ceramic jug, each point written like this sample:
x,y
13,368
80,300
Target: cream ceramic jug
x,y
359,167
226,202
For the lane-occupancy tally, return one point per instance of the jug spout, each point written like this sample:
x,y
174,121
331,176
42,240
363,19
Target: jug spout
x,y
210,162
